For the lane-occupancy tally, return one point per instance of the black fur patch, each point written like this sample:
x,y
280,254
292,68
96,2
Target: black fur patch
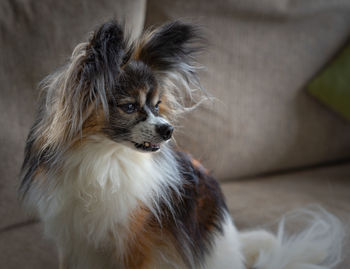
x,y
33,159
105,53
198,212
171,45
135,76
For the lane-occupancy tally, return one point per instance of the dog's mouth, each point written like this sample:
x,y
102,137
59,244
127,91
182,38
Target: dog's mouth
x,y
146,146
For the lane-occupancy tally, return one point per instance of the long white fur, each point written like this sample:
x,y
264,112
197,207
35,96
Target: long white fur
x,y
100,184
318,246
226,251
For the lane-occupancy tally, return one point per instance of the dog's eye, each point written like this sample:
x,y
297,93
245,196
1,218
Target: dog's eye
x,y
156,107
128,108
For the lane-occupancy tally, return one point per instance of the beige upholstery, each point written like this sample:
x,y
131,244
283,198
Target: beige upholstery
x,y
261,55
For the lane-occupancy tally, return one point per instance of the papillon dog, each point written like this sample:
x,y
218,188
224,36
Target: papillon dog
x,y
110,186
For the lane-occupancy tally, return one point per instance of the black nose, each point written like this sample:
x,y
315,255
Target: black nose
x,y
165,131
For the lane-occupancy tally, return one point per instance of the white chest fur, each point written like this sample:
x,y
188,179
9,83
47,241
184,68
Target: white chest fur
x,y
99,186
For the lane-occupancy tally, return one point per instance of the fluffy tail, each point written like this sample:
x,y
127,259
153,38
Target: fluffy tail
x,y
318,246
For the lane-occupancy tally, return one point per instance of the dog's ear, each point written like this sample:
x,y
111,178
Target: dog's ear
x,y
95,68
85,84
170,47
72,94
104,55
171,52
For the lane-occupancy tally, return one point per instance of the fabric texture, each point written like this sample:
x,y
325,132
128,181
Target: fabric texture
x,y
261,54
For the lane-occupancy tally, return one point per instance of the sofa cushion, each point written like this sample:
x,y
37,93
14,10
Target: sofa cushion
x,y
260,56
26,247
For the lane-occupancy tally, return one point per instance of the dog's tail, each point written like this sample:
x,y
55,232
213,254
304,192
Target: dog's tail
x,y
318,246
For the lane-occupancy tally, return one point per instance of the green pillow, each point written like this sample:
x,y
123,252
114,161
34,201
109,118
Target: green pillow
x,y
332,85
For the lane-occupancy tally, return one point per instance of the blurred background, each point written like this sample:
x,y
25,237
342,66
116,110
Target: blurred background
x,y
277,136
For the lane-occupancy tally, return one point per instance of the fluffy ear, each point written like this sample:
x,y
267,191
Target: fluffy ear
x,y
171,51
84,84
104,56
71,95
99,67
170,47
95,69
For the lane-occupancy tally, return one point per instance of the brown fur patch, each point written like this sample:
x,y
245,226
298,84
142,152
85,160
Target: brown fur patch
x,y
141,43
140,241
146,237
164,108
93,125
95,122
198,166
154,96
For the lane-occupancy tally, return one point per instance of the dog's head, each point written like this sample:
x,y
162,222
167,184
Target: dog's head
x,y
135,116
130,93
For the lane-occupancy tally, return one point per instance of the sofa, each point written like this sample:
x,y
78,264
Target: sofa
x,y
273,147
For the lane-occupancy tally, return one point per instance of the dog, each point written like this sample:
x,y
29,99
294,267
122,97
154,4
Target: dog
x,y
109,184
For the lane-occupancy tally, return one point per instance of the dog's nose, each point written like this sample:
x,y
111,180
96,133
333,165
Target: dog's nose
x,y
165,131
